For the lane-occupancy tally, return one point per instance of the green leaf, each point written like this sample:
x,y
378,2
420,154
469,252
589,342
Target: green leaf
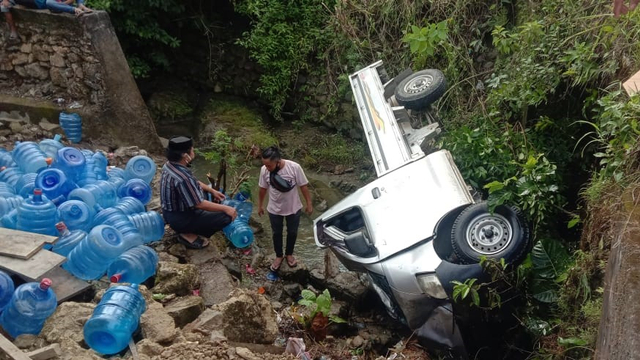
x,y
549,258
324,304
494,186
304,302
308,295
337,319
573,341
573,222
545,291
475,297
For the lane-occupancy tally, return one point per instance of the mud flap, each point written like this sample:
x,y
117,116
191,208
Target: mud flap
x,y
441,329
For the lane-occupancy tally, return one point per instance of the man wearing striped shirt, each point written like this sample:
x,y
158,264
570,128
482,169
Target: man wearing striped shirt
x,y
184,206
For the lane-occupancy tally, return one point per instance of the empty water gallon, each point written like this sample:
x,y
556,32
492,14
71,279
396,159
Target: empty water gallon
x,y
114,320
116,218
51,146
30,306
6,289
100,193
76,215
239,233
37,214
113,171
55,184
90,258
244,210
100,165
26,184
71,161
67,240
6,159
136,188
11,175
6,190
88,175
10,219
130,205
140,167
29,157
71,124
9,203
133,266
149,224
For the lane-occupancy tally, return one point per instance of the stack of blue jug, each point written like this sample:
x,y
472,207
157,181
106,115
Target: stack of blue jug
x,y
239,232
71,124
134,266
90,258
37,214
6,290
29,307
114,320
68,240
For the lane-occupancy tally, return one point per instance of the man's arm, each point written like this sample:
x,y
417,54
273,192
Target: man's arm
x,y
261,194
207,205
307,198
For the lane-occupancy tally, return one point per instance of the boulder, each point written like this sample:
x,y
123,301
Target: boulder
x,y
173,278
298,274
185,309
157,325
216,283
66,324
345,285
149,348
246,354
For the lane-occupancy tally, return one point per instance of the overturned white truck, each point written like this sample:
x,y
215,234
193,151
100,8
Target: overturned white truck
x,y
416,227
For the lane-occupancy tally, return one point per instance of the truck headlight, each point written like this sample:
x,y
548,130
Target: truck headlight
x,y
430,285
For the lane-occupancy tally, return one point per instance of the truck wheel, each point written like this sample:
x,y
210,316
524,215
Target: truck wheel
x,y
501,234
421,89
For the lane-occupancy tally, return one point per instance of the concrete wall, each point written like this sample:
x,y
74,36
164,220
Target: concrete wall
x,y
77,64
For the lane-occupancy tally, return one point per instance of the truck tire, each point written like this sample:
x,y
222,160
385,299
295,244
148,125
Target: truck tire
x,y
421,89
501,234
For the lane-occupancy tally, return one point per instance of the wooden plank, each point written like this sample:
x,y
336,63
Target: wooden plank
x,y
33,268
45,353
22,244
11,350
64,284
632,85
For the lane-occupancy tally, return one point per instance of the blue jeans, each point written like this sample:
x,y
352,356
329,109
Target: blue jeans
x,y
58,7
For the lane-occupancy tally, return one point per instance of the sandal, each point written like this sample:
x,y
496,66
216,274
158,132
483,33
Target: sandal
x,y
291,261
198,243
276,264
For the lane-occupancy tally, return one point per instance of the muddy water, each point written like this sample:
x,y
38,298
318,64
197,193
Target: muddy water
x,y
305,250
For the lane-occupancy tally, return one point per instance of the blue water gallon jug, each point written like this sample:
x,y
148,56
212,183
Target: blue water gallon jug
x,y
6,190
244,210
116,218
113,171
37,214
10,219
6,289
6,159
9,203
29,157
140,167
134,265
90,258
30,306
114,320
149,224
71,161
88,175
130,205
51,146
55,184
239,233
242,195
136,188
100,165
11,175
26,184
76,215
100,193
67,240
71,124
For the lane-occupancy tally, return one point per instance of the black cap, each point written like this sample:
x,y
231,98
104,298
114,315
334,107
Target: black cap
x,y
180,143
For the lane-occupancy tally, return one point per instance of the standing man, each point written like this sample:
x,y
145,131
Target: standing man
x,y
5,7
282,178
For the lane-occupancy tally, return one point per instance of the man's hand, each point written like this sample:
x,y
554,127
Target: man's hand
x,y
217,195
231,212
260,211
309,209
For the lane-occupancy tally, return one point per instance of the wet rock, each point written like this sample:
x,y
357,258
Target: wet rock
x,y
173,278
26,341
209,254
346,285
298,274
292,289
357,341
210,320
185,309
15,127
216,283
248,317
49,126
157,325
233,268
246,354
178,250
66,324
331,264
166,257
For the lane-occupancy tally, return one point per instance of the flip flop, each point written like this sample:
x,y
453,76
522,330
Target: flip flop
x,y
198,243
276,264
293,263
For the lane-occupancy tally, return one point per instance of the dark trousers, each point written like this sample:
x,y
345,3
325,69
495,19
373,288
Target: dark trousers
x,y
204,223
277,225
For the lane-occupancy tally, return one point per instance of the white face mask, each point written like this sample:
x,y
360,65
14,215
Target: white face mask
x,y
188,160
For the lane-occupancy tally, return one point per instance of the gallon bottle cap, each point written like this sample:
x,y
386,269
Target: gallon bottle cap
x,y
116,278
37,191
61,226
48,161
45,283
3,168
